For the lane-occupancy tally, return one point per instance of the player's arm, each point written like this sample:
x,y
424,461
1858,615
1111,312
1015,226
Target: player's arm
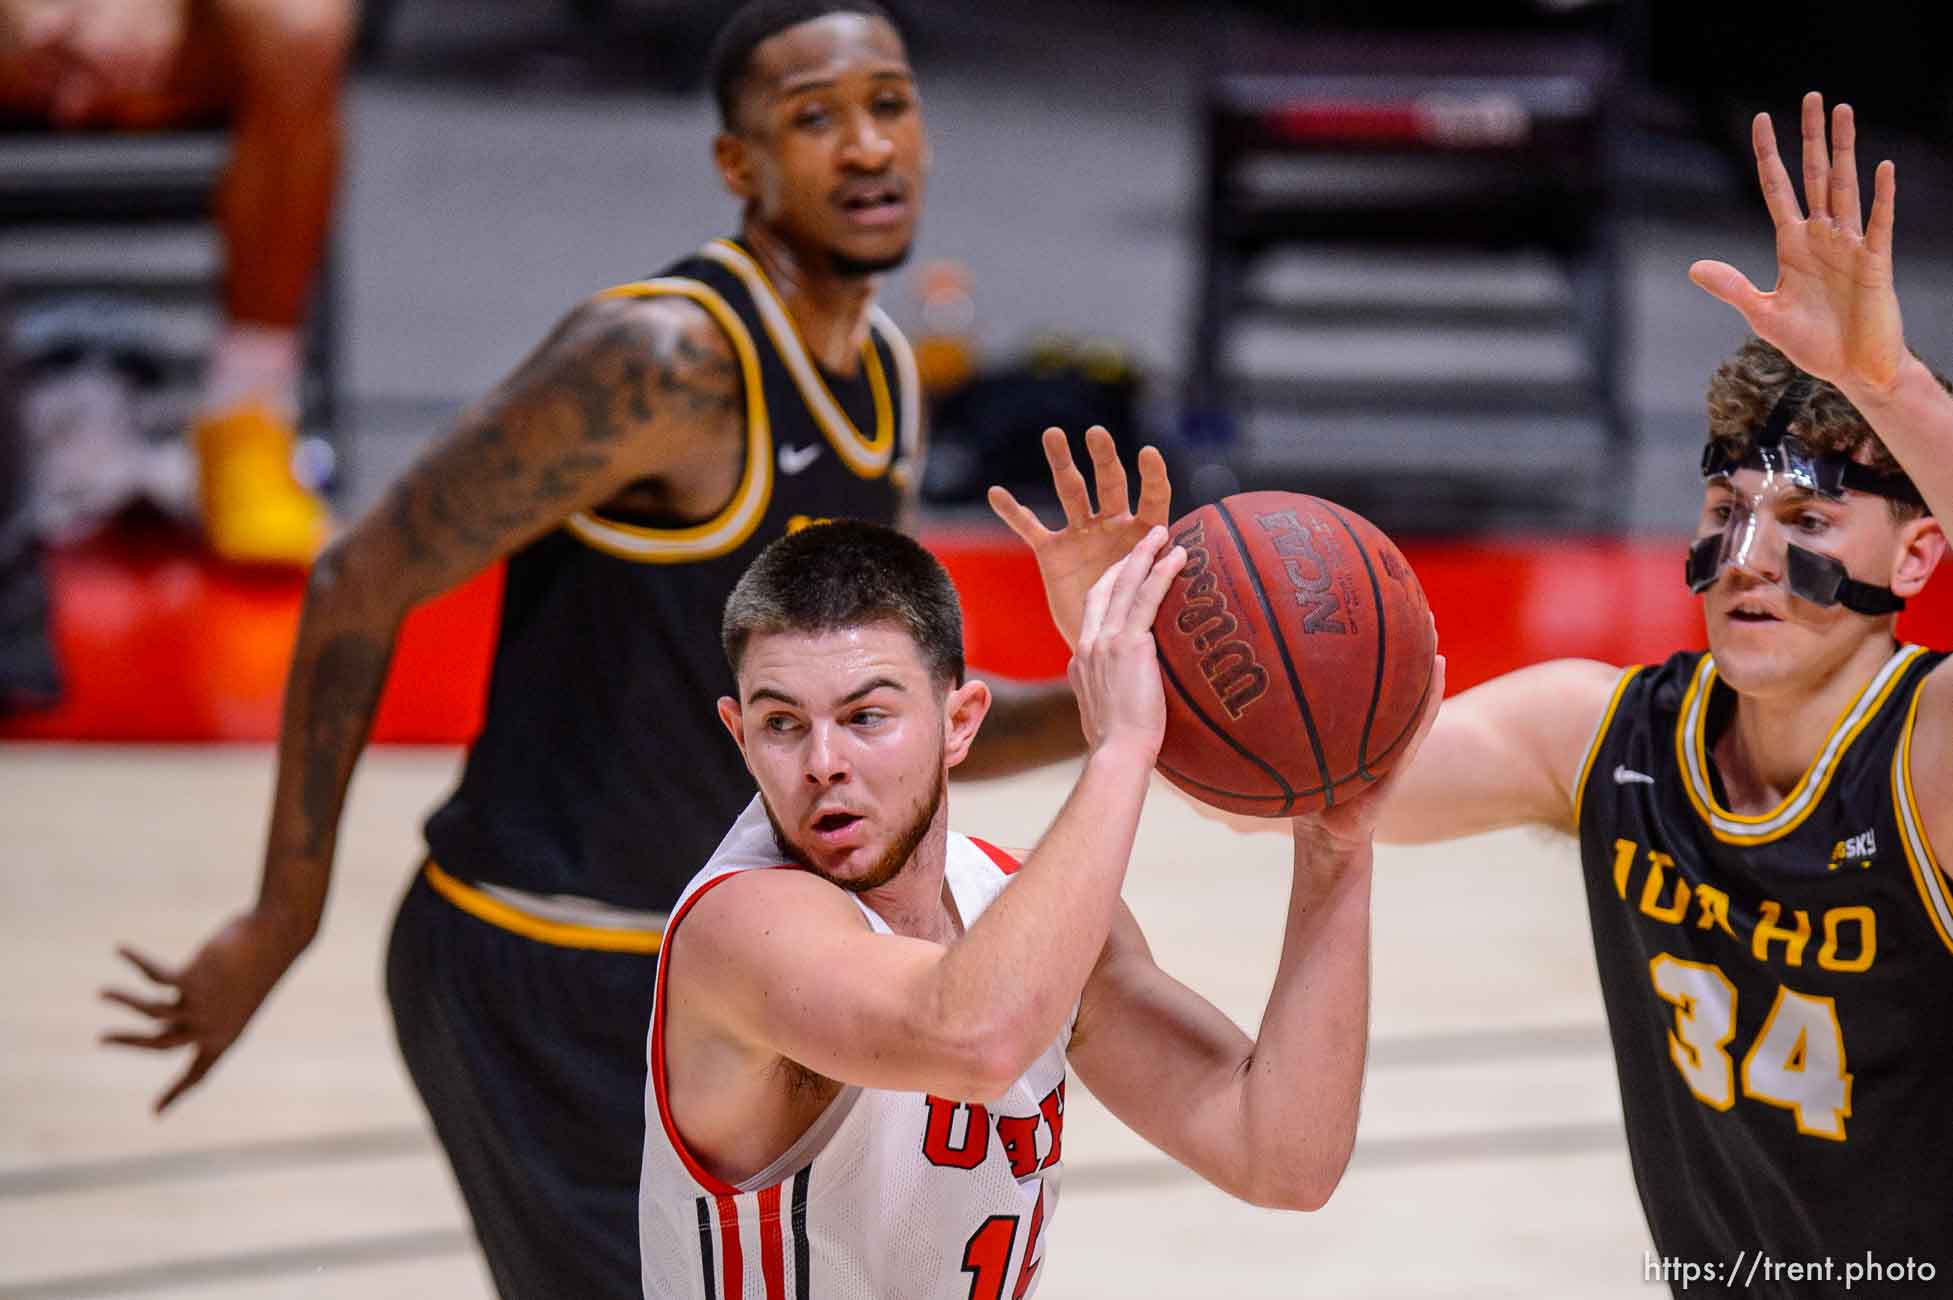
x,y
1505,753
1930,764
624,388
1913,417
1034,723
884,1011
962,1020
1270,1119
1834,311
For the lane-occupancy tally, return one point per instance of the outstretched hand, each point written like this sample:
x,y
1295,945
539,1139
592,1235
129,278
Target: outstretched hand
x,y
212,998
1834,311
1071,559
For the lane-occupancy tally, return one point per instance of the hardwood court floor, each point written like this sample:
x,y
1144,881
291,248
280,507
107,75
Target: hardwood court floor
x,y
1489,1163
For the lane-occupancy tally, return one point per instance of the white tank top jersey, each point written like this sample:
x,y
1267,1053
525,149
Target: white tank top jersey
x,y
888,1194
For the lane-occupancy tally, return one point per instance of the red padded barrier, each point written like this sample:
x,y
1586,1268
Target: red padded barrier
x,y
160,644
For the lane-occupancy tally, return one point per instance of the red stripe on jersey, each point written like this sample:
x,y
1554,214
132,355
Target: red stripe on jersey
x,y
1005,862
773,1258
1030,1266
732,1265
717,1186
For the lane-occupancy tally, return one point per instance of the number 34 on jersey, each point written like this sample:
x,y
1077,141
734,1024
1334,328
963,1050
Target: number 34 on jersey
x,y
1797,1060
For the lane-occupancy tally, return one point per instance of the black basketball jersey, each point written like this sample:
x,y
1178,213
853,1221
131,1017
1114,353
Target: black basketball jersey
x,y
1776,988
602,770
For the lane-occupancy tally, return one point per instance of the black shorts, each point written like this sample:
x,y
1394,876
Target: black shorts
x,y
530,1057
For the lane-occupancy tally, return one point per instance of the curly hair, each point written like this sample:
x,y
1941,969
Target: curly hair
x,y
1748,384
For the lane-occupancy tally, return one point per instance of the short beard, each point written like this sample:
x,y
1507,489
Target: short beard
x,y
890,864
860,268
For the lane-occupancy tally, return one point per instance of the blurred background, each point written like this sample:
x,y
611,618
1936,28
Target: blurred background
x,y
1426,259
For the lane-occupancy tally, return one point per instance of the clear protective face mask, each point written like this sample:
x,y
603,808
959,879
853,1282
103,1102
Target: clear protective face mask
x,y
1753,540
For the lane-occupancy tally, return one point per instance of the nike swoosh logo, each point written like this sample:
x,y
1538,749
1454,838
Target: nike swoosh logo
x,y
1627,776
794,459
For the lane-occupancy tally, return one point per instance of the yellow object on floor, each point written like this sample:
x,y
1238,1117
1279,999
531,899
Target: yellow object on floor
x,y
255,511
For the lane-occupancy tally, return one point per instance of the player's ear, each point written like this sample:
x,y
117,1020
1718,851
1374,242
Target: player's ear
x,y
1921,544
963,711
729,713
734,158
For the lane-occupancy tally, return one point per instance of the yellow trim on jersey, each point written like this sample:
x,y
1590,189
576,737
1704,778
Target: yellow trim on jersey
x,y
867,457
726,530
1926,873
909,427
1600,738
884,402
562,934
1692,754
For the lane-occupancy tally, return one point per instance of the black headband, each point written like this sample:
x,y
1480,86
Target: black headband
x,y
1788,406
1776,427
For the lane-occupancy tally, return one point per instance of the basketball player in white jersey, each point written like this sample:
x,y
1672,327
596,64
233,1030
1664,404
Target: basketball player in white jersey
x,y
860,1036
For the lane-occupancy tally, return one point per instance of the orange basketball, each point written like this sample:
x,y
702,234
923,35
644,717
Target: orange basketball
x,y
1296,648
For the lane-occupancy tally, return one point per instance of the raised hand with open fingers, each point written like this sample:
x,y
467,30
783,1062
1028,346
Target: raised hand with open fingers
x,y
1092,540
1834,311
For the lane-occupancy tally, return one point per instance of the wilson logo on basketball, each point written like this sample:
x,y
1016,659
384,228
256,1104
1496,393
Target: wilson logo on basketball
x,y
1308,573
1226,661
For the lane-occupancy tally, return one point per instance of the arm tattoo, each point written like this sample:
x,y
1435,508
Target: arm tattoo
x,y
720,393
412,539
343,691
557,426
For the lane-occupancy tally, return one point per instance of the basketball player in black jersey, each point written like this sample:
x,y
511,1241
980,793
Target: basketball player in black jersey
x,y
1765,830
659,438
